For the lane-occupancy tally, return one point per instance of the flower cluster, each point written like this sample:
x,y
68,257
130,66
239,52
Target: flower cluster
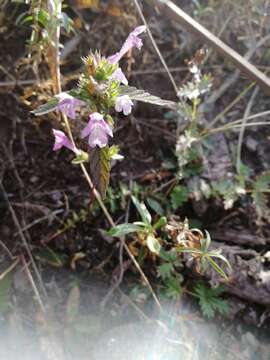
x,y
99,89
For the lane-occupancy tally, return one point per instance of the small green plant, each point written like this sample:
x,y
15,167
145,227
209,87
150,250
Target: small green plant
x,y
147,232
169,246
44,19
210,301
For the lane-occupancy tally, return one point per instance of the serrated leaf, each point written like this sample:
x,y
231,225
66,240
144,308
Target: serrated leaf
x,y
46,108
144,96
99,160
153,244
209,300
142,210
173,286
124,229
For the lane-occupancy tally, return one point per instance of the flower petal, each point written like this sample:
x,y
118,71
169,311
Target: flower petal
x,y
119,76
124,104
68,104
97,131
132,41
61,140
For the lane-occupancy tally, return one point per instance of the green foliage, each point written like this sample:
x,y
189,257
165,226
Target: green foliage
x,y
165,270
80,158
43,23
173,286
142,210
179,196
144,227
155,205
210,301
260,187
124,229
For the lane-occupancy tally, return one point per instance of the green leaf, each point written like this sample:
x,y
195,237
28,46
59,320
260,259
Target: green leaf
x,y
99,160
221,257
173,286
124,229
209,300
179,196
165,270
22,18
43,17
218,269
46,108
161,222
153,244
80,158
169,256
142,210
141,95
155,205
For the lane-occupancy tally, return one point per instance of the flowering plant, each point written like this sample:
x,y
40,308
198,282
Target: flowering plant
x,y
102,86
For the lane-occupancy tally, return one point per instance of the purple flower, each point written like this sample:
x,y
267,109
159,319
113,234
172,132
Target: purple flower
x,y
124,103
132,41
98,131
62,140
119,76
68,104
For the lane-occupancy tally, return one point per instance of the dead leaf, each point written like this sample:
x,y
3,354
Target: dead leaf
x,y
87,4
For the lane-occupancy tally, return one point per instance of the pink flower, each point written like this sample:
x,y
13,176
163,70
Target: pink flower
x,y
62,140
124,103
119,76
132,41
98,131
68,104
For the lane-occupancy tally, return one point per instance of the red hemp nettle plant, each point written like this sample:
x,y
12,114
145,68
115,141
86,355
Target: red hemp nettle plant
x,y
102,86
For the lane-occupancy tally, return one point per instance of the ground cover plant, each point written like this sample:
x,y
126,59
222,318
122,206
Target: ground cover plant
x,y
134,196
